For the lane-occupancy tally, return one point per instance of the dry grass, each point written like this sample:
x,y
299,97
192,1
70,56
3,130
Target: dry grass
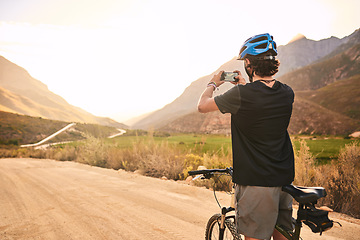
x,y
146,156
344,181
341,178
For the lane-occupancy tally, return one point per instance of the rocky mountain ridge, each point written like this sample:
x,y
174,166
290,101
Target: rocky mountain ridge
x,y
181,113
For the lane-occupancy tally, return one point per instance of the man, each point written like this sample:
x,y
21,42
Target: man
x,y
263,158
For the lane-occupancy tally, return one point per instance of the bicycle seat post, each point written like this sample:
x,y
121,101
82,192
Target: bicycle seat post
x,y
298,223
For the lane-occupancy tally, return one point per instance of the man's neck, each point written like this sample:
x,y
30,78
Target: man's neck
x,y
257,78
267,80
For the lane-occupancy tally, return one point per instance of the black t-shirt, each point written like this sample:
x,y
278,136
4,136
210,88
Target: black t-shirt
x,y
262,150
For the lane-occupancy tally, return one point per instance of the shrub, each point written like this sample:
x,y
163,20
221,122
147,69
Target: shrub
x,y
344,183
93,152
304,166
191,162
341,178
63,153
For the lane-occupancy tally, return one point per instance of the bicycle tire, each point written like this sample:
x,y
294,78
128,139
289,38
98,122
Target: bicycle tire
x,y
213,228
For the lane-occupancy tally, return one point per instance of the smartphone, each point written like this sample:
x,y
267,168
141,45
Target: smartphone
x,y
229,77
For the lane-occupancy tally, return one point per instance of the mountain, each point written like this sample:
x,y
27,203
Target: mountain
x,y
307,118
187,101
316,67
195,122
297,37
311,118
300,51
323,111
342,97
21,93
343,65
303,51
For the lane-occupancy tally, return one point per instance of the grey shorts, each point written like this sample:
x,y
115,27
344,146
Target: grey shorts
x,y
258,209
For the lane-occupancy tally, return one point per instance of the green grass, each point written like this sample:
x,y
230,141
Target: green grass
x,y
195,143
202,143
324,149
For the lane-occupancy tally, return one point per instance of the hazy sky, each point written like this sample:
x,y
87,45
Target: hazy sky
x,y
123,58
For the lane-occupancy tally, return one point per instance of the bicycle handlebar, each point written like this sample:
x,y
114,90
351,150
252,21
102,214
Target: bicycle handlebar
x,y
209,171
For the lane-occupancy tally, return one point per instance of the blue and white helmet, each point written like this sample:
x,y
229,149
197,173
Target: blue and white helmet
x,y
258,44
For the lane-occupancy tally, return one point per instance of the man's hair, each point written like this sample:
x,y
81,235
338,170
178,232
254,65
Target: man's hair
x,y
262,68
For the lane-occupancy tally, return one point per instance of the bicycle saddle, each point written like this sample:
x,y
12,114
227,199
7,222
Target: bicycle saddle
x,y
305,194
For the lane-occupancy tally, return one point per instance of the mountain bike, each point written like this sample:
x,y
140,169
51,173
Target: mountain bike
x,y
221,226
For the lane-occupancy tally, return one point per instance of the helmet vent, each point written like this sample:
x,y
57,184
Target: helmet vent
x,y
263,38
261,46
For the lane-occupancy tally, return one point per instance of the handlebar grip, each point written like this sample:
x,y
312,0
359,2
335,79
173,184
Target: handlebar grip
x,y
197,172
207,171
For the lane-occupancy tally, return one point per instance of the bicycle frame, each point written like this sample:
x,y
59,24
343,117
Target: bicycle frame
x,y
224,211
294,235
304,198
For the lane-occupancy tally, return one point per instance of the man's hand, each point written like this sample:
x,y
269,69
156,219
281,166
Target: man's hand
x,y
206,102
240,79
216,79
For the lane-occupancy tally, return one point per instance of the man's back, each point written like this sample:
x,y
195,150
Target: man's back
x,y
262,151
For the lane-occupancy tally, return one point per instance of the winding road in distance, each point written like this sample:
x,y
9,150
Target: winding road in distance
x,y
41,144
47,199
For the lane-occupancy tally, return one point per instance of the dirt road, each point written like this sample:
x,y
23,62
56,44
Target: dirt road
x,y
46,199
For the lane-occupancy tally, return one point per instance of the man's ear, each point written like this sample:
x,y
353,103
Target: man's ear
x,y
247,63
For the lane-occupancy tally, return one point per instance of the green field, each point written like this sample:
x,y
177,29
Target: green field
x,y
323,149
196,143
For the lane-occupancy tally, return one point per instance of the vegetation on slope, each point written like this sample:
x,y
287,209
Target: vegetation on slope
x,y
320,74
18,129
342,97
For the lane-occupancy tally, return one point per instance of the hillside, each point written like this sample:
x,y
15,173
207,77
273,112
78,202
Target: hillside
x,y
307,118
195,122
186,103
311,118
21,93
325,68
317,75
323,111
18,129
333,98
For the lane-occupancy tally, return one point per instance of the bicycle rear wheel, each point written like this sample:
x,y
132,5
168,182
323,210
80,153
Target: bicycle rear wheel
x,y
213,228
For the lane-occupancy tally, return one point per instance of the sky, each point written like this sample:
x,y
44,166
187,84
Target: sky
x,y
125,58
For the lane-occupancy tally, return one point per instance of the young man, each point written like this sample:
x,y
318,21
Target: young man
x,y
263,158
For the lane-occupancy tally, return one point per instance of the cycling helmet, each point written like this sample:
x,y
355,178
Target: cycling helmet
x,y
258,44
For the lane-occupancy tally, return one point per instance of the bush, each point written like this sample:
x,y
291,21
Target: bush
x,y
341,178
93,152
62,153
305,171
344,183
